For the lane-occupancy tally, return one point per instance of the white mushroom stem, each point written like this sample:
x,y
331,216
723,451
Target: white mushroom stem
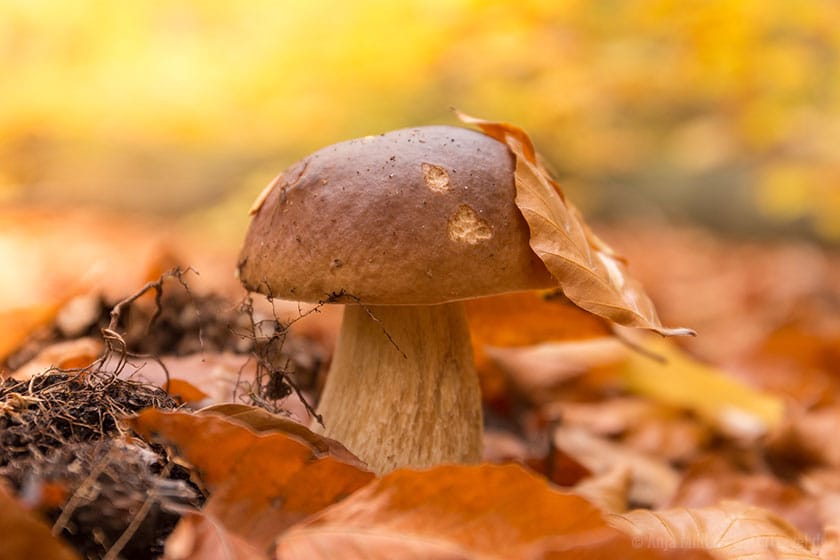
x,y
402,389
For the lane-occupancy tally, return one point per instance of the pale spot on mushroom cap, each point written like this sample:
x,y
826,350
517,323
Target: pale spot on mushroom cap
x,y
465,226
436,177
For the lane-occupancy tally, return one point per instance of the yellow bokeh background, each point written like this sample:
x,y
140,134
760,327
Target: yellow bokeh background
x,y
718,110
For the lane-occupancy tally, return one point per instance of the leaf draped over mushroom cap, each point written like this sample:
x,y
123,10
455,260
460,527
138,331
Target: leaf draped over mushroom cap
x,y
590,274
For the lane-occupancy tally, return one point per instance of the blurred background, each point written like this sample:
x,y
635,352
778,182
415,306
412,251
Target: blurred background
x,y
716,112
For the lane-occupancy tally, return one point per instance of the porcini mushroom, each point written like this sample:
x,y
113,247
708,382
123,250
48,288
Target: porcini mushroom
x,y
401,228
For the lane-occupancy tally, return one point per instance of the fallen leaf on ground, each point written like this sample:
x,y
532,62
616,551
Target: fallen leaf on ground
x,y
70,354
726,403
527,318
260,483
644,425
608,491
461,512
538,371
199,536
502,446
653,481
26,536
731,531
809,437
184,392
709,481
830,546
587,270
17,325
522,319
260,420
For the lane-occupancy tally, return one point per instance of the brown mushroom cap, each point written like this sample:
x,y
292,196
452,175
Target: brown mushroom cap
x,y
415,216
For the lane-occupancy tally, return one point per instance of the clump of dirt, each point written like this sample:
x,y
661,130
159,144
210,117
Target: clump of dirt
x,y
57,408
108,498
63,449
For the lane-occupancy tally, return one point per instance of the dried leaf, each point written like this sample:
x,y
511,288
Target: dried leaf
x,y
26,536
539,371
527,318
260,420
608,491
184,392
260,484
732,531
460,512
16,325
588,271
520,320
642,424
653,481
830,546
809,437
199,536
70,354
721,400
712,479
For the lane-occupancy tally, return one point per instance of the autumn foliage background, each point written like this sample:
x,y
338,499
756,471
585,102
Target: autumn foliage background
x,y
699,138
726,112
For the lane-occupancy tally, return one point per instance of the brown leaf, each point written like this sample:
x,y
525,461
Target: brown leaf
x,y
588,271
732,531
712,479
459,512
69,354
830,546
653,481
260,484
643,425
540,372
26,536
608,491
520,320
199,536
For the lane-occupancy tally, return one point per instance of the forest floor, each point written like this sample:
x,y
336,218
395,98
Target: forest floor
x,y
149,406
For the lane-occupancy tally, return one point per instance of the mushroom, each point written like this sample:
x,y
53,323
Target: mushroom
x,y
401,228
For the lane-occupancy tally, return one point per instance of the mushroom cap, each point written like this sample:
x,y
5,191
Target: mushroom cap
x,y
416,216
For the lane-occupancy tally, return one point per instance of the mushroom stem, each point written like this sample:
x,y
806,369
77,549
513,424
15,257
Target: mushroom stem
x,y
402,389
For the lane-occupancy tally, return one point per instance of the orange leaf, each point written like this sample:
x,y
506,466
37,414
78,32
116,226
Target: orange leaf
x,y
260,484
26,536
17,324
183,391
588,271
528,318
460,512
260,420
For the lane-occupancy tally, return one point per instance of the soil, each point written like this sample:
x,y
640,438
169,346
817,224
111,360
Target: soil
x,y
63,446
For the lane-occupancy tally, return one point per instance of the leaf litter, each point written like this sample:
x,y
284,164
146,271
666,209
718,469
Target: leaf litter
x,y
593,431
65,447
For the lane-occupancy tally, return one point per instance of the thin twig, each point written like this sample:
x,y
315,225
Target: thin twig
x,y
138,518
77,497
